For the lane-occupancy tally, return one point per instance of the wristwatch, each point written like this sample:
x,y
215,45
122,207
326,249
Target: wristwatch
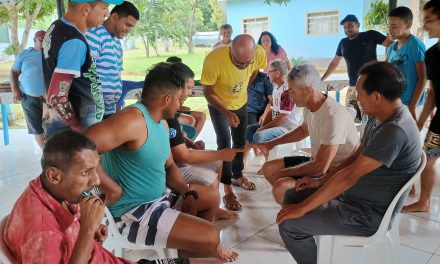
x,y
193,193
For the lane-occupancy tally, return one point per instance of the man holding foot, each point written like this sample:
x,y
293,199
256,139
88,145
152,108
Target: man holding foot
x,y
227,71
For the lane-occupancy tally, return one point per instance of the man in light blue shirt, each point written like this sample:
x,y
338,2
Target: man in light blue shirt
x,y
106,51
27,85
407,54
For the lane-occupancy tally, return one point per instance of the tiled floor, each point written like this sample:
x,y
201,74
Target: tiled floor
x,y
254,235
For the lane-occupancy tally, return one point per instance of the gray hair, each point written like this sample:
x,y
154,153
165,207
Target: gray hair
x,y
305,75
280,66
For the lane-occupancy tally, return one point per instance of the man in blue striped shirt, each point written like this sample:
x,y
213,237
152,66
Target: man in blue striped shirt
x,y
106,50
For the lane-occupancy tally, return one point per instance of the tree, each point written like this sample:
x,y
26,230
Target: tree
x,y
377,16
277,2
30,10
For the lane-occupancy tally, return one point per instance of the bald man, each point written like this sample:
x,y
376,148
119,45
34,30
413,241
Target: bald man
x,y
227,71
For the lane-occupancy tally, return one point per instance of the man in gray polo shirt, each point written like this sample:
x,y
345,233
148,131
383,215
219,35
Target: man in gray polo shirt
x,y
389,155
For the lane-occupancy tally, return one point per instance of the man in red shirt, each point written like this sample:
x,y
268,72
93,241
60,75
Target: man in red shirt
x,y
52,222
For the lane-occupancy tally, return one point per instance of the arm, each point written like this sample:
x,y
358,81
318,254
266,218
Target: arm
x,y
15,87
253,77
316,167
420,87
275,122
293,136
175,180
339,183
108,186
214,100
331,67
387,42
427,107
182,154
58,98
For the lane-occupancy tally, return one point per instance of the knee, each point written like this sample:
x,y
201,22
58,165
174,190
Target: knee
x,y
258,138
199,116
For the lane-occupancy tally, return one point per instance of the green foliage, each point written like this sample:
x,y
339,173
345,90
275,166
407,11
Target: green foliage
x,y
376,17
297,61
285,2
11,50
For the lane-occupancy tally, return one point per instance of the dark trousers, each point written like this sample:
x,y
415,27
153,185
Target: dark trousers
x,y
337,217
224,132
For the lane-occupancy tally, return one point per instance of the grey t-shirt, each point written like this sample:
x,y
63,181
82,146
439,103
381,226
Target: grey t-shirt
x,y
396,144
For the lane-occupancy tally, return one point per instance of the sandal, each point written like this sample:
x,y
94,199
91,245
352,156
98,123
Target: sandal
x,y
231,202
244,183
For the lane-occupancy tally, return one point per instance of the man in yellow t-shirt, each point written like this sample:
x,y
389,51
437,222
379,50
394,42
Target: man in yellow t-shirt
x,y
227,71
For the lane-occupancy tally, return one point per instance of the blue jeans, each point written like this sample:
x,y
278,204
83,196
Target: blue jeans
x,y
255,137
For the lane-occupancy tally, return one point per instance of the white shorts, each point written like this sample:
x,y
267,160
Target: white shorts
x,y
205,173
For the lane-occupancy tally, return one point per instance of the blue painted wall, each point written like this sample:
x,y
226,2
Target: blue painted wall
x,y
288,23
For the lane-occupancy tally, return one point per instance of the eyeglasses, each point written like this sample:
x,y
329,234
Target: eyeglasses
x,y
272,70
238,64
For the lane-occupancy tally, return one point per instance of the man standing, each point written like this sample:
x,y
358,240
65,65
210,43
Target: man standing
x,y
226,73
367,181
106,50
407,54
135,144
30,89
357,49
432,140
74,99
225,33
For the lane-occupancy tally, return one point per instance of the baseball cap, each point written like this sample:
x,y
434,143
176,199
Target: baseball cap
x,y
349,18
114,2
40,34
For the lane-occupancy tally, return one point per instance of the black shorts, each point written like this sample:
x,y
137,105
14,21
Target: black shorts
x,y
293,161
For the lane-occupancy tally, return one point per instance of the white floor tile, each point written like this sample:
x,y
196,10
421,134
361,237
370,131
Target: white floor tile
x,y
435,259
410,255
419,233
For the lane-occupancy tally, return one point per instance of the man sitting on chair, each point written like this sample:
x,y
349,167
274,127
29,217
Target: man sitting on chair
x,y
331,128
46,224
366,182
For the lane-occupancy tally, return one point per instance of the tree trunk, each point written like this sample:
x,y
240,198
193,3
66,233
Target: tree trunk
x,y
153,44
146,45
30,18
191,27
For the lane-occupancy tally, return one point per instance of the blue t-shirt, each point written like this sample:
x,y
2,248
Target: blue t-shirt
x,y
29,64
258,93
106,50
406,58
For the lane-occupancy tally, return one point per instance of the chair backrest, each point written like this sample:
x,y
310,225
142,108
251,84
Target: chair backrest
x,y
399,198
5,255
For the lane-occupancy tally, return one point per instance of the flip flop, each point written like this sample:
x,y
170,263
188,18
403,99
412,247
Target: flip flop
x,y
231,202
244,183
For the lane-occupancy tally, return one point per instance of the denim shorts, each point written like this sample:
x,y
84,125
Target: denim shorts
x,y
33,112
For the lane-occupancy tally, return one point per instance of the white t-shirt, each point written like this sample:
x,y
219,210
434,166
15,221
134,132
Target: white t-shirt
x,y
282,104
332,124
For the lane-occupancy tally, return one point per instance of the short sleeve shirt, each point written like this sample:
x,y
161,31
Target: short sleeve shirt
x,y
258,93
272,56
395,143
29,64
41,230
176,135
230,83
432,61
359,51
283,104
332,124
406,58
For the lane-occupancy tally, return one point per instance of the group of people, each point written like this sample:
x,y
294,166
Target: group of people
x,y
168,197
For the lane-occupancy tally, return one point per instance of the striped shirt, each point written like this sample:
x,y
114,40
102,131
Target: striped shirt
x,y
106,51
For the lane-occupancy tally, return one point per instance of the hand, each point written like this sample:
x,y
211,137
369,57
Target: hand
x,y
307,183
228,154
92,211
101,234
189,205
265,146
233,119
260,121
16,96
199,145
290,211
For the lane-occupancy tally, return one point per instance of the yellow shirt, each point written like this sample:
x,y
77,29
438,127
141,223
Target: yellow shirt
x,y
230,83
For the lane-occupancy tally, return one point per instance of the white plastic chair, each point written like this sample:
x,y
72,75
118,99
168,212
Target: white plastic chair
x,y
383,247
119,245
5,255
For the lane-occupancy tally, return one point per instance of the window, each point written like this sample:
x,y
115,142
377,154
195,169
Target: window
x,y
323,23
254,26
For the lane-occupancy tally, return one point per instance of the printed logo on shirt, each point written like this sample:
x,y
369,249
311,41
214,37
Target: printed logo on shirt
x,y
237,88
173,133
96,91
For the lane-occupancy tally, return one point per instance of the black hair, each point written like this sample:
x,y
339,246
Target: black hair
x,y
183,70
162,78
126,9
275,46
384,78
174,59
435,5
403,13
60,149
225,26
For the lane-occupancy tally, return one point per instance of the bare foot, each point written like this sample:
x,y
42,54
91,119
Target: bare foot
x,y
413,190
260,171
226,254
417,207
223,214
